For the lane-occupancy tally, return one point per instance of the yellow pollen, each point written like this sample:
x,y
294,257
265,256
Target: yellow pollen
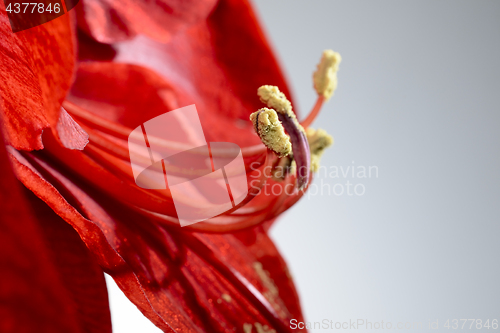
x,y
275,99
247,328
318,140
263,328
271,131
265,278
325,76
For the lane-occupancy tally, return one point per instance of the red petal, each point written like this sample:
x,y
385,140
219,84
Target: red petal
x,y
109,21
79,272
36,66
129,95
124,94
253,249
49,283
178,279
218,64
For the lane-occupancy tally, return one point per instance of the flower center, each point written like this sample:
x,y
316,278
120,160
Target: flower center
x,y
272,122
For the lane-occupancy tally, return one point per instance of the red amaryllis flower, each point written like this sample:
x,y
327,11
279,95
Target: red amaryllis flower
x,y
66,117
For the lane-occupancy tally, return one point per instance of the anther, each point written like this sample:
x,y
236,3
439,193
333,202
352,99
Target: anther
x,y
325,76
319,140
271,131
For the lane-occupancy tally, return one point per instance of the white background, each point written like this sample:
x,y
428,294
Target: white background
x,y
418,97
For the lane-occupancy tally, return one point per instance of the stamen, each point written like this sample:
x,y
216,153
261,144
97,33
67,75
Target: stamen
x,y
319,140
271,131
276,100
325,82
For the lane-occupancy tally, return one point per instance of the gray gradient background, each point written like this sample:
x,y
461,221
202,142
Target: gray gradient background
x,y
418,97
